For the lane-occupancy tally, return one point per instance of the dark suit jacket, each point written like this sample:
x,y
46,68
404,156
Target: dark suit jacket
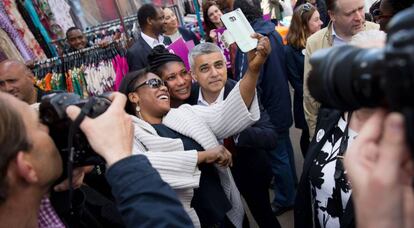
x,y
143,198
137,54
251,166
188,35
294,64
272,86
303,214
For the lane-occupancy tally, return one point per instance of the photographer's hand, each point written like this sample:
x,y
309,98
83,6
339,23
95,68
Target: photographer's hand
x,y
380,169
77,179
111,133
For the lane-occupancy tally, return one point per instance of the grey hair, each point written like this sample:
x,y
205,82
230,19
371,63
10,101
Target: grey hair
x,y
369,39
203,49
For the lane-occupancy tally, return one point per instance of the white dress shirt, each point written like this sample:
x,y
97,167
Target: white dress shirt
x,y
203,102
151,41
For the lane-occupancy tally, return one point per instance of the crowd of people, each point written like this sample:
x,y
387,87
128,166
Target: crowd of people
x,y
184,145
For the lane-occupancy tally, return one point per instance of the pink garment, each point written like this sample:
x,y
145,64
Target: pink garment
x,y
20,25
121,69
222,46
48,217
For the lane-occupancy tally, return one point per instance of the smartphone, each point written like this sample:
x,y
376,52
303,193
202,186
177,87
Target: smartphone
x,y
240,29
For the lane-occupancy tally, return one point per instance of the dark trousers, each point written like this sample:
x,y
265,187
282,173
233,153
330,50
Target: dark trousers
x,y
283,168
304,141
252,173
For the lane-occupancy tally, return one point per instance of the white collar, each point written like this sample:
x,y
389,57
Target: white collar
x,y
203,102
151,41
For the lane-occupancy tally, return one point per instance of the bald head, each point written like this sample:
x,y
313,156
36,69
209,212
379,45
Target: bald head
x,y
17,80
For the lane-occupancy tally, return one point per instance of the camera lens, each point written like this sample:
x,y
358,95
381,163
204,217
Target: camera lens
x,y
346,77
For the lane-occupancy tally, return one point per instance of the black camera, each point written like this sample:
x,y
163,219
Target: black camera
x,y
52,111
348,78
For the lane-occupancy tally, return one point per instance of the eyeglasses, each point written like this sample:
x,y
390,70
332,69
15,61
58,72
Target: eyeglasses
x,y
153,83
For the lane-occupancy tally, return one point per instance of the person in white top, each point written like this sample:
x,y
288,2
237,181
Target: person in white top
x,y
171,138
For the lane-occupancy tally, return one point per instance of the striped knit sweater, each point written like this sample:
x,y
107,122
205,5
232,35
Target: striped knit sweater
x,y
206,125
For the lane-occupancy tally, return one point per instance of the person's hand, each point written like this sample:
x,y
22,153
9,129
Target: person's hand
x,y
77,179
213,35
218,154
380,169
257,57
111,133
104,43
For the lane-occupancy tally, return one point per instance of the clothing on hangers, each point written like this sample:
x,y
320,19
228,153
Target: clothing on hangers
x,y
88,72
20,25
8,48
28,4
14,35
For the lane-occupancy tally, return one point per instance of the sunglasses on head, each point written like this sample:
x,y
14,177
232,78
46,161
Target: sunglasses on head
x,y
153,83
306,8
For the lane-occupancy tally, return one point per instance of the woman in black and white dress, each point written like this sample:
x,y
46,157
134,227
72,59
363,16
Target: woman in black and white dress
x,y
323,197
324,192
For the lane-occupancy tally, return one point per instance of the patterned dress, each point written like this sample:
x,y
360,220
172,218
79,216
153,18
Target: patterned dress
x,y
329,195
20,25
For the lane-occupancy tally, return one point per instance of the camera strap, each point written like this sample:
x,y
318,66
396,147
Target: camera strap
x,y
74,127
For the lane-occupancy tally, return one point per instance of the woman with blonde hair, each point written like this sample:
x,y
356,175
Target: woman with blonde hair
x,y
305,22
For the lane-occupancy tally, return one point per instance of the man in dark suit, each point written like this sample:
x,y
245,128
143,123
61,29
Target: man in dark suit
x,y
251,169
151,21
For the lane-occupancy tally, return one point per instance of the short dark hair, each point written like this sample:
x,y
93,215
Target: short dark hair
x,y
400,5
374,6
251,9
128,84
144,12
72,29
331,5
13,138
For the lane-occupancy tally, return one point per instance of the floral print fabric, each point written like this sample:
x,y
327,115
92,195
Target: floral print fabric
x,y
7,47
20,25
14,35
330,196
